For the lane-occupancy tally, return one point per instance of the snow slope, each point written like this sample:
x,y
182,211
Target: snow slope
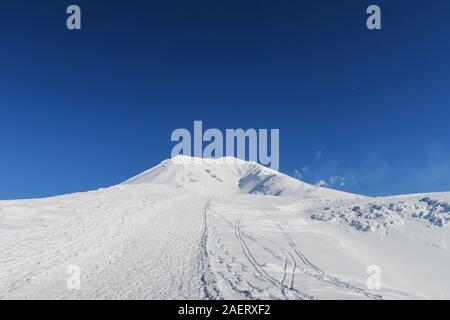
x,y
224,229
230,175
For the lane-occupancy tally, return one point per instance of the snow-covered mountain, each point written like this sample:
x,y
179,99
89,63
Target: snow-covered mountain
x,y
224,228
231,176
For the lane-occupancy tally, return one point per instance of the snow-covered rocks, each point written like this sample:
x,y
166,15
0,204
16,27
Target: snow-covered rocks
x,y
381,214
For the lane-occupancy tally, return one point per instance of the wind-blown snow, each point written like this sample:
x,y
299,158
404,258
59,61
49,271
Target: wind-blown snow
x,y
224,228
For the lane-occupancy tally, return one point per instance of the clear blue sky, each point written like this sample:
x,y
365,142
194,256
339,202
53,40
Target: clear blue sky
x,y
88,109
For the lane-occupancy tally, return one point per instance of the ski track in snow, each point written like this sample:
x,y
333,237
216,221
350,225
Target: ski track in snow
x,y
210,291
291,258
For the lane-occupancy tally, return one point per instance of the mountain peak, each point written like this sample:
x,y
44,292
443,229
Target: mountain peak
x,y
230,175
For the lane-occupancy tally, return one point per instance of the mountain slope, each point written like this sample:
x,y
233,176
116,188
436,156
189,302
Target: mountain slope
x,y
128,241
231,175
212,230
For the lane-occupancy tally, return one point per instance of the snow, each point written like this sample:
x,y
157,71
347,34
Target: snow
x,y
230,175
192,228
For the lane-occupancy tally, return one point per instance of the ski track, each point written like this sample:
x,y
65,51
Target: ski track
x,y
324,276
209,289
289,258
260,269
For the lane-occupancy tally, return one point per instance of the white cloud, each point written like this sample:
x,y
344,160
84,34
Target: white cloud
x,y
322,183
337,181
318,155
297,174
334,181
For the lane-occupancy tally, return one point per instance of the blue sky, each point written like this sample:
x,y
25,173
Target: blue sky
x,y
363,111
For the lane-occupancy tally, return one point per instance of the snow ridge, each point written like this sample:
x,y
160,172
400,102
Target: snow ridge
x,y
231,175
